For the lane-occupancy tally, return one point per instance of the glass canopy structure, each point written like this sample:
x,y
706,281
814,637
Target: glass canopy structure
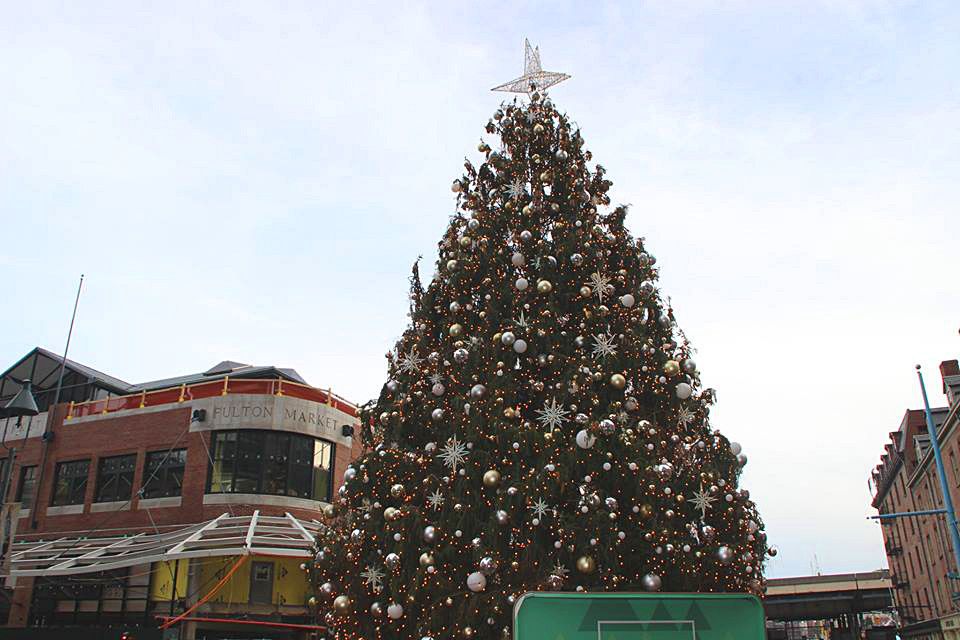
x,y
284,536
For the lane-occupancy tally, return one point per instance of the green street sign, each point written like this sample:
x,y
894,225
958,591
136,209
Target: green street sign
x,y
638,616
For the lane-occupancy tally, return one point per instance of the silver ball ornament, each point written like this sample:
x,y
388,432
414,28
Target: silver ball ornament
x,y
725,555
437,414
520,346
684,390
507,338
476,582
651,582
585,440
488,565
478,391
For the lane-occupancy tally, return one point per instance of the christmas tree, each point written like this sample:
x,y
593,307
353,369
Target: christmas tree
x,y
543,426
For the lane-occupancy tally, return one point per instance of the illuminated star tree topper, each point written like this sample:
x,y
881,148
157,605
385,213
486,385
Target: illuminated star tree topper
x,y
534,77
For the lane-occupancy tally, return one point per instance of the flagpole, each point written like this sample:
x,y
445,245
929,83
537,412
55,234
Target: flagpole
x,y
48,433
66,350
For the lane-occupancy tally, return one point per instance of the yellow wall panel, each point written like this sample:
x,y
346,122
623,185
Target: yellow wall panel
x,y
290,584
161,584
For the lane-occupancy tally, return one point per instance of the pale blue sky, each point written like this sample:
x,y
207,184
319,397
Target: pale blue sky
x,y
242,181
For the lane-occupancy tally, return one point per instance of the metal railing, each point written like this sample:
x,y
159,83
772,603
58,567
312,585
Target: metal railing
x,y
221,387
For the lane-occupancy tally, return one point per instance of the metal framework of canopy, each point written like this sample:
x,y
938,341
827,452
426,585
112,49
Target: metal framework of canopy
x,y
223,536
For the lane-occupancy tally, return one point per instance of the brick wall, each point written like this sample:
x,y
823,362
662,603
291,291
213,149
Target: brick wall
x,y
138,433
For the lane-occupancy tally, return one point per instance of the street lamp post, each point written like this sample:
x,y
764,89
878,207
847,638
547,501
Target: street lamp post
x,y
22,404
947,508
944,487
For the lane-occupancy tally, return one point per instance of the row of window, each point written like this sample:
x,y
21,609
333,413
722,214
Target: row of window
x,y
244,461
164,477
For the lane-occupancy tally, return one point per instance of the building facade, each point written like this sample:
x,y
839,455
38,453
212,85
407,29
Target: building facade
x,y
131,502
918,548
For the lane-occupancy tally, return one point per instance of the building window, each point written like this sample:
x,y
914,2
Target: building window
x,y
115,478
271,462
164,473
70,482
27,488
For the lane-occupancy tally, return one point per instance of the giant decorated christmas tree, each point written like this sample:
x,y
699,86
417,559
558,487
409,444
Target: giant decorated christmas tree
x,y
543,426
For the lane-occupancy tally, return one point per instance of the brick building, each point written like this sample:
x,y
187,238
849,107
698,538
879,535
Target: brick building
x,y
919,550
131,501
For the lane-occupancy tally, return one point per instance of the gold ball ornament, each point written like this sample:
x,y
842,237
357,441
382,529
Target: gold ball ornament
x,y
617,381
509,413
456,330
671,368
544,286
397,490
426,559
646,510
465,241
342,605
491,478
586,564
329,510
312,601
391,513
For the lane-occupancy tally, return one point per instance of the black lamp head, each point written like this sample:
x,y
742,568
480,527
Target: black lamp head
x,y
22,404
